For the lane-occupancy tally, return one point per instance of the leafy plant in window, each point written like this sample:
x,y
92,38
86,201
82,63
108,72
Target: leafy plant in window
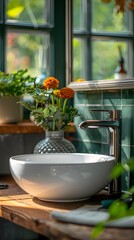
x,y
14,84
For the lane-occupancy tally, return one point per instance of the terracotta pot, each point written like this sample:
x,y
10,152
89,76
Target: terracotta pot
x,y
10,110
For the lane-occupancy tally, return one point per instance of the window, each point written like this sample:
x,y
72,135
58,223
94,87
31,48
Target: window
x,y
25,30
97,33
32,36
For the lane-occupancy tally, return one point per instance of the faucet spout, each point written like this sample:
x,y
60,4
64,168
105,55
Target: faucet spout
x,y
99,123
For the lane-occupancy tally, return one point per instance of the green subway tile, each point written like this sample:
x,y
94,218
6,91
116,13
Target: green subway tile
x,y
128,125
95,134
132,172
87,113
127,153
90,135
105,149
112,98
128,97
88,147
84,114
80,98
127,178
88,98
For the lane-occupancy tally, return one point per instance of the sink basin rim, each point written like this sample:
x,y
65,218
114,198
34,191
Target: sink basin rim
x,y
62,158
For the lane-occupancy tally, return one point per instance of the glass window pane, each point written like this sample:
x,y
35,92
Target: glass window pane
x,y
79,48
79,16
105,19
27,50
30,11
106,57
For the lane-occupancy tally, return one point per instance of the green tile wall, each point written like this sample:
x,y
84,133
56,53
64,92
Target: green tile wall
x,y
97,140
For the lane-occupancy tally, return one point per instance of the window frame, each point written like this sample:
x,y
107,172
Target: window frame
x,y
102,84
57,37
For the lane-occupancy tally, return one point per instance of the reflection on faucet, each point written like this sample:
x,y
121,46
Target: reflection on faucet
x,y
114,127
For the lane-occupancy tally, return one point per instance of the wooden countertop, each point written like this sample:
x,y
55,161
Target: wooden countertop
x,y
24,128
31,213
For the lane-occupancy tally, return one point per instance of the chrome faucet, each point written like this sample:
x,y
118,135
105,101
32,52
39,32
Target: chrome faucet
x,y
113,124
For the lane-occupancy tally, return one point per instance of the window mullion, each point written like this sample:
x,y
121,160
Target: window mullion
x,y
58,42
2,35
89,40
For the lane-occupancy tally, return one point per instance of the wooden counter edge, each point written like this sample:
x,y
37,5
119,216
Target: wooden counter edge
x,y
36,216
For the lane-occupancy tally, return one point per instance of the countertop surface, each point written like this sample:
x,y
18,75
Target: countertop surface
x,y
31,213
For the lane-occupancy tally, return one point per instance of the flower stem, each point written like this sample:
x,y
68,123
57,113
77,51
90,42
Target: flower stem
x,y
59,102
64,104
52,100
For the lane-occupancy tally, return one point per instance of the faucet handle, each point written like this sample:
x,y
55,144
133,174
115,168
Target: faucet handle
x,y
113,114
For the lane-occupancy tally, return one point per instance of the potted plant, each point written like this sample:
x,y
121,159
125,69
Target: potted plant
x,y
51,112
12,86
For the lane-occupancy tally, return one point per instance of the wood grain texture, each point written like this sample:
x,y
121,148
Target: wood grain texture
x,y
23,127
26,127
31,213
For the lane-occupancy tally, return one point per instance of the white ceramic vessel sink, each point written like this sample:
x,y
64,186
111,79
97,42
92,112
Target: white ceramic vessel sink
x,y
61,177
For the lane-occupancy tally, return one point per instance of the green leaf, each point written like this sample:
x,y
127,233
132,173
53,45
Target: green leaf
x,y
97,230
132,189
52,108
15,84
117,171
46,112
37,111
130,163
118,209
131,210
26,105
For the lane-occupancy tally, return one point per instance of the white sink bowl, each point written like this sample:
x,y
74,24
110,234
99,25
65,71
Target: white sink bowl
x,y
61,177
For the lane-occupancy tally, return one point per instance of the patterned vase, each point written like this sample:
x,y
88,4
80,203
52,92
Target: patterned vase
x,y
54,142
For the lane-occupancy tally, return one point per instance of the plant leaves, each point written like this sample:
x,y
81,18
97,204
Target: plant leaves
x,y
52,108
46,112
97,230
118,209
27,105
117,171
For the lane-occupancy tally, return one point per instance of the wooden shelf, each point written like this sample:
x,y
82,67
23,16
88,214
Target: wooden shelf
x,y
17,128
25,128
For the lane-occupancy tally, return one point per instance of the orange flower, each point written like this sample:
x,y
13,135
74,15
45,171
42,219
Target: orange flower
x,y
50,82
66,92
56,92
